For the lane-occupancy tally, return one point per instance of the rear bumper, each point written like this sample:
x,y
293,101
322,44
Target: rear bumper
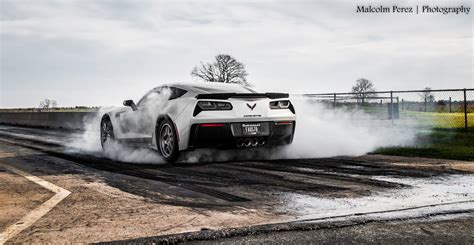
x,y
229,135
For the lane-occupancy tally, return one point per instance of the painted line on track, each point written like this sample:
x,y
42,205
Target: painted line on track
x,y
37,213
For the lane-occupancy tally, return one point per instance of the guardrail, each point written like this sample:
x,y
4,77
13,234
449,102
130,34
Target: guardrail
x,y
63,120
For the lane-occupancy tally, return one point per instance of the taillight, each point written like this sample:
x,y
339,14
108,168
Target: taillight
x,y
212,106
280,104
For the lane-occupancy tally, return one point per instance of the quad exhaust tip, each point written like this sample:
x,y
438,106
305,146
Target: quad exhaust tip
x,y
250,142
247,142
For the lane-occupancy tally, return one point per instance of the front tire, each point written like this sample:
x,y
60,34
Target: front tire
x,y
106,133
167,140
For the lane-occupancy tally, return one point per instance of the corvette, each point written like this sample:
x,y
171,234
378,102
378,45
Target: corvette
x,y
178,117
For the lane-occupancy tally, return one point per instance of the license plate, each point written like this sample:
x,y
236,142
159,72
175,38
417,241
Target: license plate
x,y
251,128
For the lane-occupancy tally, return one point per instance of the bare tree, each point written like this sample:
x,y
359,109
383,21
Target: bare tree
x,y
427,95
363,89
225,69
47,103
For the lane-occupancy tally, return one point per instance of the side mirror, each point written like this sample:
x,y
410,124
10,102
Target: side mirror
x,y
130,103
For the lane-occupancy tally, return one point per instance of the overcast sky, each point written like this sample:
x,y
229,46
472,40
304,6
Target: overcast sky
x,y
102,52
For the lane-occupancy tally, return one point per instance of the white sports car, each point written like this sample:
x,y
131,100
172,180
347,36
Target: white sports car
x,y
178,117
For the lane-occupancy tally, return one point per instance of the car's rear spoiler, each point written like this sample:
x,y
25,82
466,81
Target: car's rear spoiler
x,y
224,96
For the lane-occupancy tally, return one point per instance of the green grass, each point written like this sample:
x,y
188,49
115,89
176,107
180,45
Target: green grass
x,y
438,143
440,119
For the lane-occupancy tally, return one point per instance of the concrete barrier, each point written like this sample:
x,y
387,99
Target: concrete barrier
x,y
66,120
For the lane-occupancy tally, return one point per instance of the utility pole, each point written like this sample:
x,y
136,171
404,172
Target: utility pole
x,y
391,105
465,109
450,105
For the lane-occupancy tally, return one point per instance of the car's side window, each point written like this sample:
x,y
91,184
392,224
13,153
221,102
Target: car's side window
x,y
148,95
142,100
174,94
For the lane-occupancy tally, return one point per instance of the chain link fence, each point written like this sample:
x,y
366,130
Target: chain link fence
x,y
449,108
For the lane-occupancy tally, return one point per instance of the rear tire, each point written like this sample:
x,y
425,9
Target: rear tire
x,y
106,133
167,140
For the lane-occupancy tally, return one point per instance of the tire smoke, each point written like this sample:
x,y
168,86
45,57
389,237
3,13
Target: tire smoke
x,y
88,142
321,131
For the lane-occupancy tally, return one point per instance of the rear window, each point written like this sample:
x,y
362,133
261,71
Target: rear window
x,y
227,89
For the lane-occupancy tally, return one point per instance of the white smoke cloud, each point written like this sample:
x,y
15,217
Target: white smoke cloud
x,y
143,119
324,132
320,132
89,142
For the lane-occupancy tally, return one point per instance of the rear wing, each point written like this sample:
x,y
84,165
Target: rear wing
x,y
225,96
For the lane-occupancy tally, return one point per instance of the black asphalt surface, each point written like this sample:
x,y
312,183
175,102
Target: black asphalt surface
x,y
446,228
418,231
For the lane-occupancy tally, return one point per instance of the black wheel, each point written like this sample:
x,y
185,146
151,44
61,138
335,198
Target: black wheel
x,y
166,140
106,132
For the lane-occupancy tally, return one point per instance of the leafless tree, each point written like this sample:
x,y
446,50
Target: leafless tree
x,y
427,95
47,103
225,69
363,89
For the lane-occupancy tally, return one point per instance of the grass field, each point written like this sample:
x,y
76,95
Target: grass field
x,y
453,144
439,119
444,120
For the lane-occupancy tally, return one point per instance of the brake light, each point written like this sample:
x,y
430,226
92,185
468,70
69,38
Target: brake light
x,y
212,125
283,123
